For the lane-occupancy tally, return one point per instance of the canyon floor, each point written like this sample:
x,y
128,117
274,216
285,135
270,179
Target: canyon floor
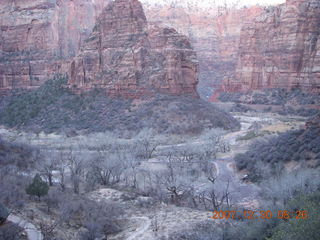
x,y
144,220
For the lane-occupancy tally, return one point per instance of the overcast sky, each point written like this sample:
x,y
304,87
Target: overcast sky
x,y
208,3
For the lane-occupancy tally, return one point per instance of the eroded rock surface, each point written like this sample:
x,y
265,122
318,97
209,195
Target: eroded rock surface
x,y
214,33
280,50
127,58
38,36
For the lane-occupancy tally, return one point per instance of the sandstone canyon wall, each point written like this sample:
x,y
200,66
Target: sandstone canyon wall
x,y
37,36
280,50
127,58
277,49
214,34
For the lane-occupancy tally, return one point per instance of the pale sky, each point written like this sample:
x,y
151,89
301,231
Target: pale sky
x,y
210,3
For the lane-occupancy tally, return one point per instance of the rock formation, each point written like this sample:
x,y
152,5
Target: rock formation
x,y
128,59
146,77
214,34
280,50
37,36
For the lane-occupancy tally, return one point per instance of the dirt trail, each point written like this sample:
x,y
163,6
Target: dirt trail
x,y
142,229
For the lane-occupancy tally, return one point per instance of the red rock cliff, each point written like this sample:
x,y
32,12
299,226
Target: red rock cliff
x,y
281,49
214,33
128,59
37,36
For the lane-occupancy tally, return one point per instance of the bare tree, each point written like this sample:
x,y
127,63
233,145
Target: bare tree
x,y
76,168
146,143
214,142
132,165
46,166
217,200
175,181
211,174
224,146
280,190
62,165
108,167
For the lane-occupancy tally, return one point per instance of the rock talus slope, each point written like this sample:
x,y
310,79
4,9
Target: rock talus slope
x,y
127,58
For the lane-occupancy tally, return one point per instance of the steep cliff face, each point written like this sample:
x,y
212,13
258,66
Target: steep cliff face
x,y
37,36
280,50
146,75
128,59
214,34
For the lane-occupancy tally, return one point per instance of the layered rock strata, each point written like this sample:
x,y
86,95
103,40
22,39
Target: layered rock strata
x,y
214,33
128,59
280,50
38,36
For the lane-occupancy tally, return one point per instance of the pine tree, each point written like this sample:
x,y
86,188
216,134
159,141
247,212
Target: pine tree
x,y
38,187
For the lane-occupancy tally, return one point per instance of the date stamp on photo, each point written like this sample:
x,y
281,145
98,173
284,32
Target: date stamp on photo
x,y
256,215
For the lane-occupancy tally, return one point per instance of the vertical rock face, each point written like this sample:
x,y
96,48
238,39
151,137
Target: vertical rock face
x,y
128,59
225,51
281,49
214,33
37,36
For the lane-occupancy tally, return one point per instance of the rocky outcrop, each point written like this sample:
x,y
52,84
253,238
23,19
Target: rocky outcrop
x,y
38,36
214,34
280,50
126,58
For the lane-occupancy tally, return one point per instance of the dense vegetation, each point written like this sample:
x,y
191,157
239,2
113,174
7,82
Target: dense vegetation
x,y
16,154
69,178
117,164
53,108
302,228
298,145
272,96
294,192
22,107
280,97
72,176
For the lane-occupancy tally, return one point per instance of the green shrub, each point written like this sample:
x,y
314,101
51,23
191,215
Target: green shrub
x,y
298,145
27,105
52,108
38,187
296,229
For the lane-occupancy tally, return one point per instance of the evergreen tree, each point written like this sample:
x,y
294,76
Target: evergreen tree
x,y
38,187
